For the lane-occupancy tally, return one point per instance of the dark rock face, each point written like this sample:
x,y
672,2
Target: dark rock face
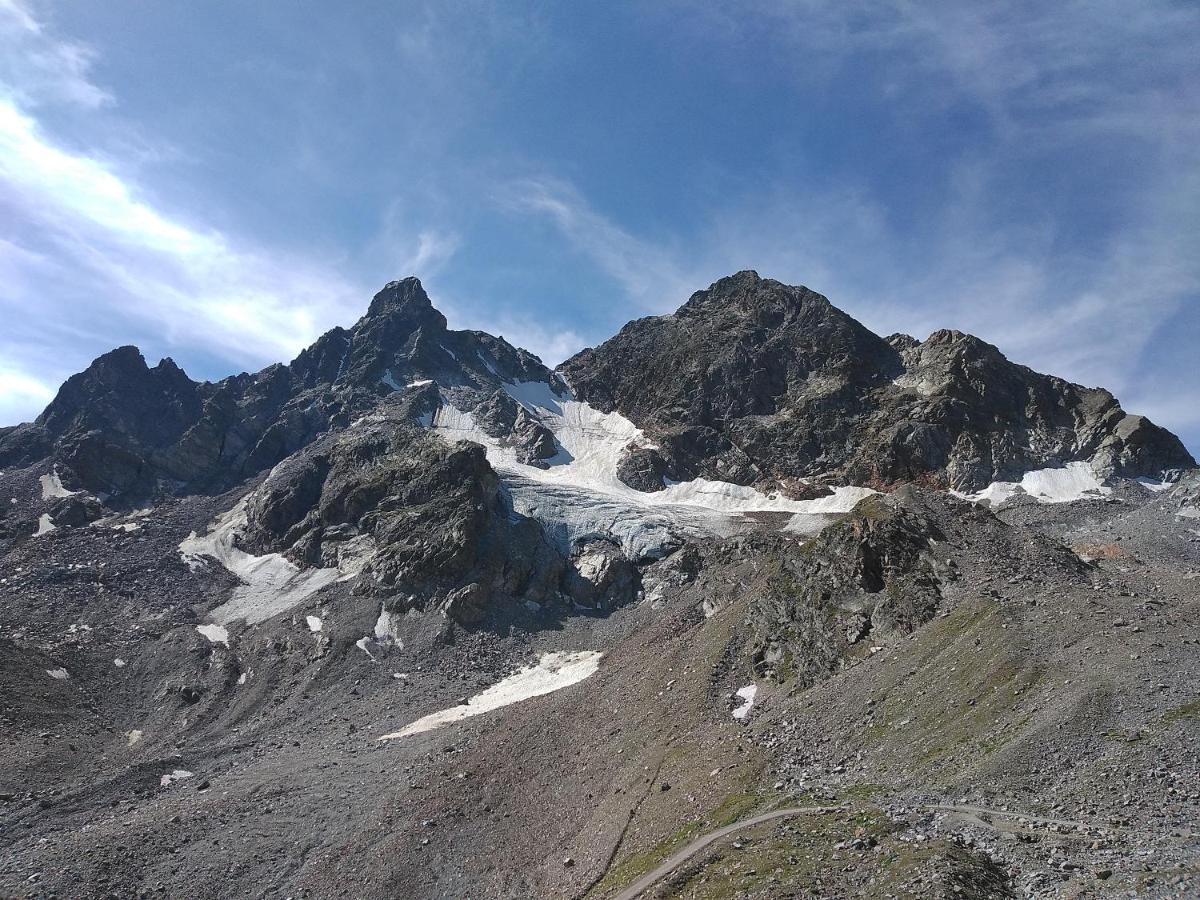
x,y
429,521
865,581
753,381
129,431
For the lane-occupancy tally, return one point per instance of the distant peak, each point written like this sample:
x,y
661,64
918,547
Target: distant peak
x,y
123,358
405,294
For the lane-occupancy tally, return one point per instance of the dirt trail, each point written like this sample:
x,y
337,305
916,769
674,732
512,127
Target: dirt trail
x,y
681,856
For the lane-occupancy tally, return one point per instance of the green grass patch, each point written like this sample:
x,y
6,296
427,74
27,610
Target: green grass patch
x,y
1182,713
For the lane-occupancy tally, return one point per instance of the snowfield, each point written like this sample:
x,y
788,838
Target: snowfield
x,y
553,672
1074,481
270,584
579,496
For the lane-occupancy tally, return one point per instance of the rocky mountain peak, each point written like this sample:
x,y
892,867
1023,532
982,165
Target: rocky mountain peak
x,y
107,393
765,302
405,302
760,382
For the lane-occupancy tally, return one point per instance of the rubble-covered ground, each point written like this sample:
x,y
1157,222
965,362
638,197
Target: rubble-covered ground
x,y
981,705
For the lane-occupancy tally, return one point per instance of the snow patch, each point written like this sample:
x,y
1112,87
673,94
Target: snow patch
x,y
45,525
314,623
422,383
1151,484
553,672
1074,481
177,775
270,585
746,695
216,634
382,636
127,526
384,627
58,674
119,663
52,487
134,736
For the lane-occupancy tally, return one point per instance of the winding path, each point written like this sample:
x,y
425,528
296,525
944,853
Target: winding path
x,y
676,859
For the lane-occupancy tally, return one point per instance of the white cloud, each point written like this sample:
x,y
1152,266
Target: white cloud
x,y
37,67
83,247
648,273
20,394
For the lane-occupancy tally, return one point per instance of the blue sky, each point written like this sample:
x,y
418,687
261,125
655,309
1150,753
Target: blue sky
x,y
221,182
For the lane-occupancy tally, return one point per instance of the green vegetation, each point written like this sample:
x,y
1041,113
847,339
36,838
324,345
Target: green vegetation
x,y
733,808
1182,713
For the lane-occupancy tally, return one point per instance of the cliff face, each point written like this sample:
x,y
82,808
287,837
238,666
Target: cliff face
x,y
124,429
751,381
754,381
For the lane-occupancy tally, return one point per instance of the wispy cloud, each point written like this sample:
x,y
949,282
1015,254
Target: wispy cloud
x,y
648,273
88,248
38,67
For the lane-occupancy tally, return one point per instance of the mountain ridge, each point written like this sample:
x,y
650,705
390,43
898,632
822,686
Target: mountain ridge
x,y
750,381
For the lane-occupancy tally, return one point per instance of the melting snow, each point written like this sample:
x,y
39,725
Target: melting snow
x,y
1074,481
388,380
746,695
217,634
52,487
1151,484
134,736
45,525
270,584
579,496
553,672
58,674
314,623
384,627
383,635
177,775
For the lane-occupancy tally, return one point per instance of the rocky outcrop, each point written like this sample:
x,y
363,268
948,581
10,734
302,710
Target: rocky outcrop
x,y
127,431
426,522
757,382
860,583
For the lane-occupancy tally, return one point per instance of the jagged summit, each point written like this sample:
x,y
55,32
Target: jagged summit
x,y
405,300
124,429
751,381
757,382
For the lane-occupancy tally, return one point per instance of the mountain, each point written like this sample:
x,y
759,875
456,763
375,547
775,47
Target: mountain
x,y
745,602
756,382
126,430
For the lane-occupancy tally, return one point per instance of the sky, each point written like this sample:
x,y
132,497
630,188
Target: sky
x,y
221,182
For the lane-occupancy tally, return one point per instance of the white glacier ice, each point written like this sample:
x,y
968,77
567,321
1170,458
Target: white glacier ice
x,y
579,496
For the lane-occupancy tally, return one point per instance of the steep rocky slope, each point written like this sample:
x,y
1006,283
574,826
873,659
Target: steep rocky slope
x,y
129,431
754,381
415,616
